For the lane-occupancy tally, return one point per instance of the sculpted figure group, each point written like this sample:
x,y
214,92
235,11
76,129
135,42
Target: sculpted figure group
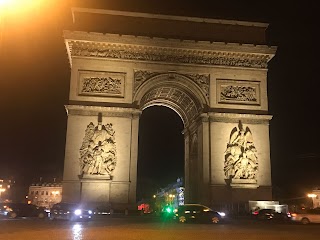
x,y
98,150
241,155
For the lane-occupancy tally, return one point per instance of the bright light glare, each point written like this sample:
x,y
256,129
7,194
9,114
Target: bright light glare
x,y
312,195
77,231
16,6
77,212
222,214
169,210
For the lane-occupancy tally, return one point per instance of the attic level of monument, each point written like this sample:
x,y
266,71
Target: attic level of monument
x,y
98,45
168,26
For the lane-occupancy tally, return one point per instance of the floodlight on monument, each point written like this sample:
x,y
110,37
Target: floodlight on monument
x,y
312,195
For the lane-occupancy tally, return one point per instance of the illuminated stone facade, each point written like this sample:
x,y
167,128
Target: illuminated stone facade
x,y
45,194
5,189
219,89
316,198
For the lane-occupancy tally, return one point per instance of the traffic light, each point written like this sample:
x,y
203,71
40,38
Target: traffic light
x,y
169,209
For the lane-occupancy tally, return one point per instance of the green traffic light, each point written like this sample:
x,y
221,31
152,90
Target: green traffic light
x,y
169,210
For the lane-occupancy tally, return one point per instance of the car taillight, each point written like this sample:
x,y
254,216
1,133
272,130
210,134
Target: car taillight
x,y
255,213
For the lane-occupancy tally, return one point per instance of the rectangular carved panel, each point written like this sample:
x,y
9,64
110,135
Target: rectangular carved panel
x,y
101,84
238,92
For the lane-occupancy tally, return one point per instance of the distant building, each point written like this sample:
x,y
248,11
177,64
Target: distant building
x,y
172,194
5,190
316,198
45,194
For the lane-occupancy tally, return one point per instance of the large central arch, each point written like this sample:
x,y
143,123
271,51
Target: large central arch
x,y
218,88
186,98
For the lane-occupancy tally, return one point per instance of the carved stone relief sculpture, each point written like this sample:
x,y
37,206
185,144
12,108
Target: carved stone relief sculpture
x,y
98,151
241,160
238,92
101,84
202,80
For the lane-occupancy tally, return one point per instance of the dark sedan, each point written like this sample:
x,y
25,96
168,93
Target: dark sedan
x,y
14,210
271,214
70,211
197,213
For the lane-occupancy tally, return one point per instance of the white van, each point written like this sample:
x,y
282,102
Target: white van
x,y
307,216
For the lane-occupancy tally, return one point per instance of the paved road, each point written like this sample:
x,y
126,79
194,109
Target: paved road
x,y
140,228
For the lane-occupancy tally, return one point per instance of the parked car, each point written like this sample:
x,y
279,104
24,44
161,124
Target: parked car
x,y
70,211
14,210
271,214
197,213
307,216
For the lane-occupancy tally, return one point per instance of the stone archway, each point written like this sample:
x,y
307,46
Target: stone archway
x,y
218,89
185,96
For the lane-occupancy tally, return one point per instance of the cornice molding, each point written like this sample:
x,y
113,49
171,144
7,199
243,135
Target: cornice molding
x,y
105,111
235,117
167,17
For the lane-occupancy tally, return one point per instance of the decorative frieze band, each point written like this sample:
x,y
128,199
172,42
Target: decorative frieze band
x,y
168,55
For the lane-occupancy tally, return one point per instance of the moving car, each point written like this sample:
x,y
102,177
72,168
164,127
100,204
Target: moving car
x,y
14,210
70,211
271,214
197,213
307,216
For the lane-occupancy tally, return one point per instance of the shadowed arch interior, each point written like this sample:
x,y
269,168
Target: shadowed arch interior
x,y
161,150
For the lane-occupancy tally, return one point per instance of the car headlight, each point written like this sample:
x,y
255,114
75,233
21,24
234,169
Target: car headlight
x,y
222,214
90,212
77,212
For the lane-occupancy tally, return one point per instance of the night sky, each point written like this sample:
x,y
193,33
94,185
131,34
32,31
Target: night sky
x,y
35,75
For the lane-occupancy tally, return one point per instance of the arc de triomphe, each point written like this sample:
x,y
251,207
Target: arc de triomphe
x,y
212,73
